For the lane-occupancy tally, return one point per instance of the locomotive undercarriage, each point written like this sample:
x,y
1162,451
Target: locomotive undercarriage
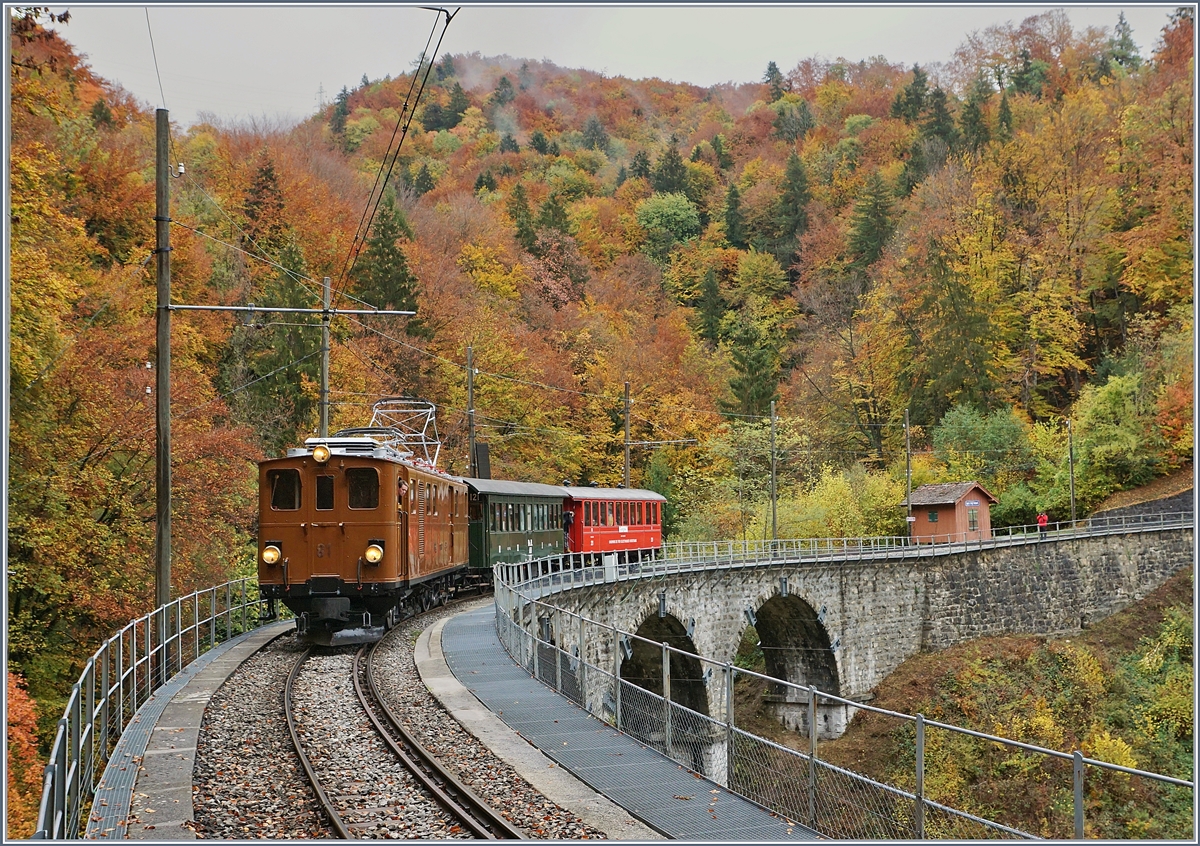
x,y
332,612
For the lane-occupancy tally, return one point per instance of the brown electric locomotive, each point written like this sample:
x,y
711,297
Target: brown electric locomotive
x,y
355,534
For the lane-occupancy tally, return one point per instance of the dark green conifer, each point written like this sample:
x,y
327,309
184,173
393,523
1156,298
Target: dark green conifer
x,y
735,229
423,182
485,182
522,217
774,79
459,103
508,144
539,142
594,136
639,168
939,123
381,275
711,308
553,215
871,225
971,118
670,176
504,93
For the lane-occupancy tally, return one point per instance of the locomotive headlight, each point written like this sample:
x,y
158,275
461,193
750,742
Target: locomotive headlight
x,y
374,553
320,453
271,554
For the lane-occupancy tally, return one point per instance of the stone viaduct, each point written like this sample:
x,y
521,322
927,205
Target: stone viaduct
x,y
843,625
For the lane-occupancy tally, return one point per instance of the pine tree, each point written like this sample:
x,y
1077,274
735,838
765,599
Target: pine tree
x,y
522,217
341,111
553,215
1030,77
508,144
622,175
774,79
1004,118
735,230
793,210
871,225
724,160
381,274
433,117
909,104
423,182
264,208
670,176
485,182
539,142
756,384
711,308
971,119
639,168
459,103
1121,47
594,136
445,68
504,93
794,198
939,123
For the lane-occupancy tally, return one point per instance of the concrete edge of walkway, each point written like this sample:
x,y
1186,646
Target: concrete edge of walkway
x,y
162,810
554,782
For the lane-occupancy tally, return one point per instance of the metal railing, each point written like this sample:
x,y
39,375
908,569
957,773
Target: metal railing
x,y
710,553
118,679
581,659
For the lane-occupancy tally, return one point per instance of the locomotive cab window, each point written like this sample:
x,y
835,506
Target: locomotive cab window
x,y
324,493
364,487
285,489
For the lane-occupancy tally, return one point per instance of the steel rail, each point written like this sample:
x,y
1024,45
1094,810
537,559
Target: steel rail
x,y
336,822
476,815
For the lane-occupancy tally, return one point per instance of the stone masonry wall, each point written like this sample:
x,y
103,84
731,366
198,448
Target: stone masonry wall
x,y
879,613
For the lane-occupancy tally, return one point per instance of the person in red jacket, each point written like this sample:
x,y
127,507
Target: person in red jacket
x,y
1042,520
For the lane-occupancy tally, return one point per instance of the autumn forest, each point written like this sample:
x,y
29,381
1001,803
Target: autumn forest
x,y
993,247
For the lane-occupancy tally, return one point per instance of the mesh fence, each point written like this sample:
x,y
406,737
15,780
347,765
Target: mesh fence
x,y
1055,795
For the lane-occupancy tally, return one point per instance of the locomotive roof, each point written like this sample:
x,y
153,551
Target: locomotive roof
x,y
505,487
613,493
360,446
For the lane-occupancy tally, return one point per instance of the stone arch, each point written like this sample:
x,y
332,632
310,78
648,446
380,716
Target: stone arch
x,y
795,644
644,667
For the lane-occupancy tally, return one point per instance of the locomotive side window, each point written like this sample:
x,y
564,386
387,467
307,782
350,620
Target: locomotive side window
x,y
364,487
285,489
639,513
609,518
324,493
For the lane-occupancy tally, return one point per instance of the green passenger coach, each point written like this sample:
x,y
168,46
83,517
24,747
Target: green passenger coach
x,y
512,521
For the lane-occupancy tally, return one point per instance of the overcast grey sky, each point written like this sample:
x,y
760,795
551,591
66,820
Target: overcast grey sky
x,y
276,61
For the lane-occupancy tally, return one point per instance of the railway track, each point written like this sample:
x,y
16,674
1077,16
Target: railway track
x,y
392,787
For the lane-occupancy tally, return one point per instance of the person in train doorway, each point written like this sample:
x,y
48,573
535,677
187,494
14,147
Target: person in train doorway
x,y
1043,520
568,521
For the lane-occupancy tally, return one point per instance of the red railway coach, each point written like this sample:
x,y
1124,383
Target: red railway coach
x,y
608,520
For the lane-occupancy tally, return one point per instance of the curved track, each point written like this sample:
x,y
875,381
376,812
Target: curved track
x,y
347,816
476,815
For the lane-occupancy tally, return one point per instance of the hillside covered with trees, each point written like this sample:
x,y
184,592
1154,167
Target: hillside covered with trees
x,y
993,247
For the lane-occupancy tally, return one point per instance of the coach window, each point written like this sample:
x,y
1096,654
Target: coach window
x,y
285,489
364,487
654,514
324,493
